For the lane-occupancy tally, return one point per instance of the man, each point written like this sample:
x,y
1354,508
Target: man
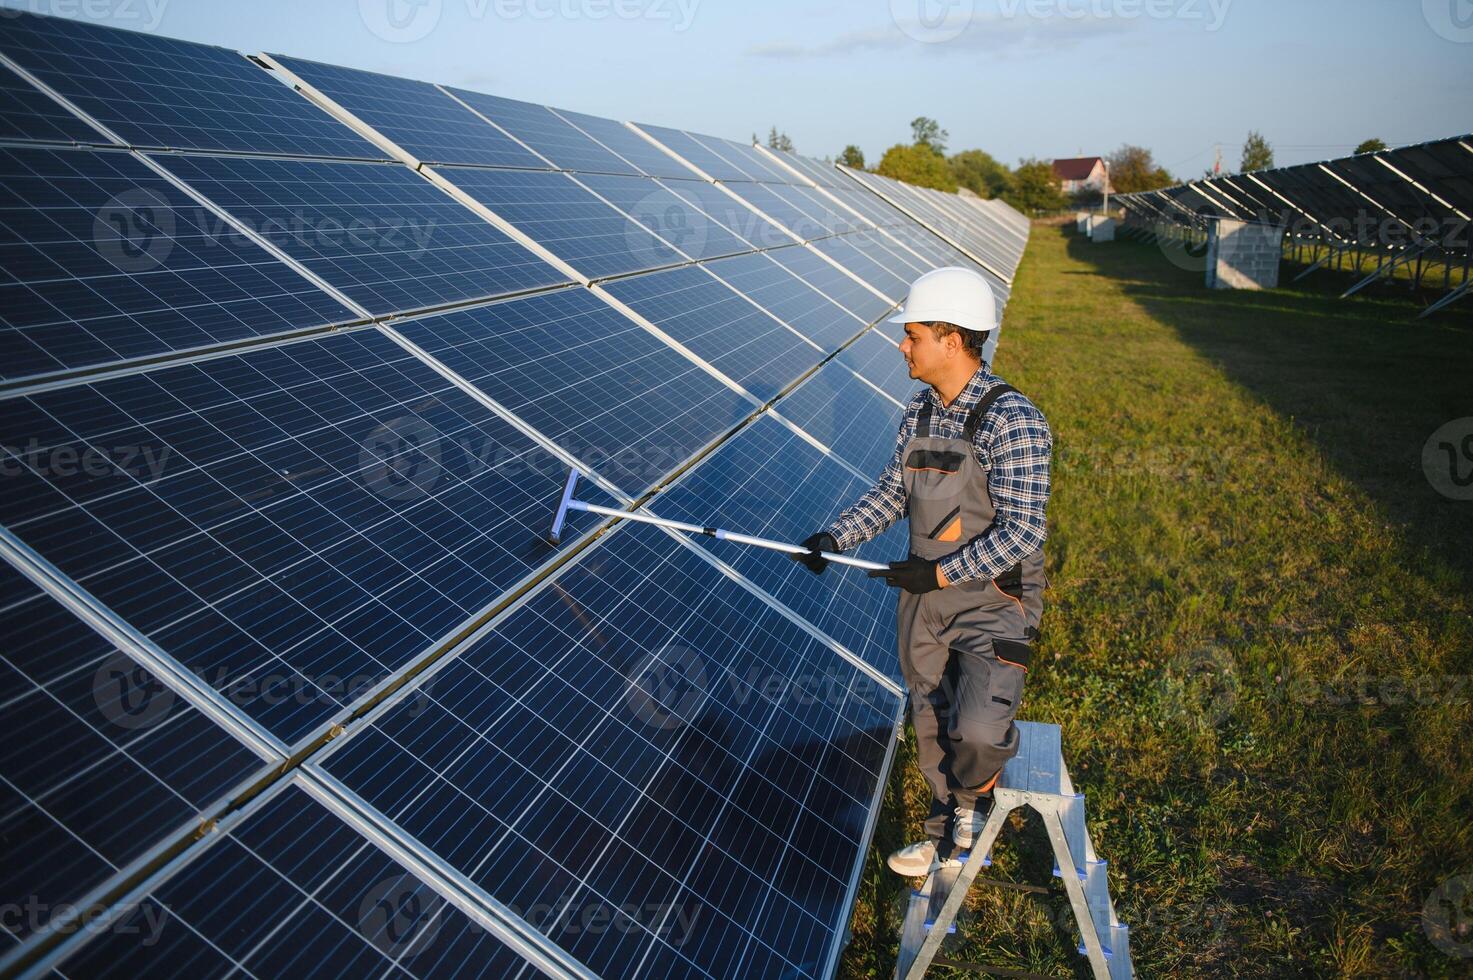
x,y
971,469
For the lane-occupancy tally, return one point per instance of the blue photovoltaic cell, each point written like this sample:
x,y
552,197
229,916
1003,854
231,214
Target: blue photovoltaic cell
x,y
586,376
906,265
648,157
701,156
751,159
719,326
836,217
644,733
819,172
879,360
97,758
294,891
156,91
834,283
667,214
857,423
788,298
547,133
730,212
292,524
105,261
416,116
872,206
804,223
28,114
567,220
381,233
852,253
769,482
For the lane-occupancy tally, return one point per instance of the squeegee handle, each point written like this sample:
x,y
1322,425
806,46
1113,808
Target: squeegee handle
x,y
719,534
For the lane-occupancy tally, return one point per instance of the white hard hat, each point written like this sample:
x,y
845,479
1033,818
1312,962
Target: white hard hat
x,y
952,295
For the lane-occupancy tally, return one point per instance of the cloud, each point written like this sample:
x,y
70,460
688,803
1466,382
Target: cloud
x,y
993,34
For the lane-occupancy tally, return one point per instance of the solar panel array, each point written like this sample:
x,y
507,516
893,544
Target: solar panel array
x,y
298,683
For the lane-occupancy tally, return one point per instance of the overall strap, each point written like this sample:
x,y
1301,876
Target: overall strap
x,y
974,419
923,420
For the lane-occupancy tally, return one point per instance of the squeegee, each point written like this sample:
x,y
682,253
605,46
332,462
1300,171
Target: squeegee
x,y
567,503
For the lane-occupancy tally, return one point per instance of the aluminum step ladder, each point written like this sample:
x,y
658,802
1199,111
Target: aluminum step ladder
x,y
1035,777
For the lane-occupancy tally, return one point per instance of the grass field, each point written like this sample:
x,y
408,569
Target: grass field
x,y
1259,631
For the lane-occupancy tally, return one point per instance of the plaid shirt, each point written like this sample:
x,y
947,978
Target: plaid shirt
x,y
1013,444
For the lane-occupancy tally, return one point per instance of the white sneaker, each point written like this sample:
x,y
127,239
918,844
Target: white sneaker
x,y
968,824
918,860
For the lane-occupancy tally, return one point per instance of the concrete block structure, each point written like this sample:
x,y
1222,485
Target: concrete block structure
x,y
1101,228
1243,255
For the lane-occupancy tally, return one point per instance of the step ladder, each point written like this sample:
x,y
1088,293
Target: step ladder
x,y
1035,777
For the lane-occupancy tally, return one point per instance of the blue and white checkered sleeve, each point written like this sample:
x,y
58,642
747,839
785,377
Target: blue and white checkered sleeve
x,y
1019,448
884,503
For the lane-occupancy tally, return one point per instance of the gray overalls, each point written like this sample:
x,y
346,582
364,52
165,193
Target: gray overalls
x,y
964,649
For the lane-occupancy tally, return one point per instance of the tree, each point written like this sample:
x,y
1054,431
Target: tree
x,y
918,165
925,131
1370,146
778,141
1035,187
1133,169
1257,154
980,173
852,157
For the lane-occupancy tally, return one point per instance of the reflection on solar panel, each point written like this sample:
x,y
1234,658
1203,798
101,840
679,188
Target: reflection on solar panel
x,y
856,422
567,220
158,92
788,298
385,236
97,757
27,114
624,141
802,217
879,362
314,514
416,116
770,482
850,251
589,378
667,214
644,733
709,160
293,890
719,326
730,212
812,268
547,133
822,174
105,260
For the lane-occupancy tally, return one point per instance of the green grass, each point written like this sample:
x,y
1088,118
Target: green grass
x,y
1241,531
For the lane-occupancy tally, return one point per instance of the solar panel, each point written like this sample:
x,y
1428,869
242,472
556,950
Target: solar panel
x,y
749,158
416,116
698,154
381,233
667,214
878,360
643,733
628,144
729,212
712,320
853,254
586,376
788,298
813,269
817,171
798,215
547,133
155,91
98,758
770,482
567,220
293,524
856,422
105,261
818,203
28,114
292,890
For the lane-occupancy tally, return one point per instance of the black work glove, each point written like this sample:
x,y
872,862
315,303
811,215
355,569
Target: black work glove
x,y
915,575
811,559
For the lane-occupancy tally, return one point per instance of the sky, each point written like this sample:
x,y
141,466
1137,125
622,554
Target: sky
x,y
1017,78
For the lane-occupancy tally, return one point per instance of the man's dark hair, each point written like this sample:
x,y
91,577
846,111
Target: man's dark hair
x,y
972,341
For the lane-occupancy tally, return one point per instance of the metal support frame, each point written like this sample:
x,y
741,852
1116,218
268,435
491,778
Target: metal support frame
x,y
1035,777
1385,268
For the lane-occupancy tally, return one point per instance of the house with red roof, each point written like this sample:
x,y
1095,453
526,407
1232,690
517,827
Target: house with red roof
x,y
1081,173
